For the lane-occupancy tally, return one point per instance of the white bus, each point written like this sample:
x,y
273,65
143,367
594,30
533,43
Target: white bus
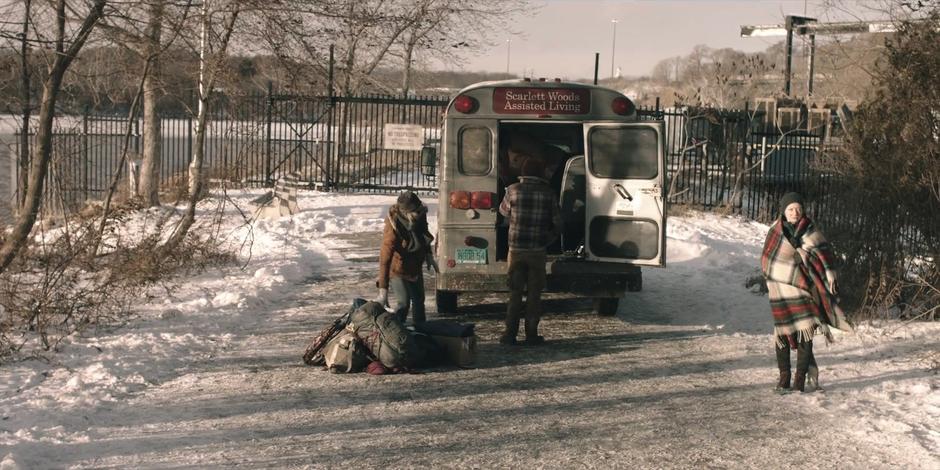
x,y
605,165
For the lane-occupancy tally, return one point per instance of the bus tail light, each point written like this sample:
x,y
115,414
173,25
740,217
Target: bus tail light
x,y
621,106
481,200
465,104
460,199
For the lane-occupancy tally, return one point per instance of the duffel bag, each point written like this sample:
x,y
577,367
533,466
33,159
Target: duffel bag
x,y
385,336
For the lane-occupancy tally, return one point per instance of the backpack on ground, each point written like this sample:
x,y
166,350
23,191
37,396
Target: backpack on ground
x,y
313,355
386,337
345,353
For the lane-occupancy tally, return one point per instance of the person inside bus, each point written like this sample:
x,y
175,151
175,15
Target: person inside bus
x,y
510,162
406,246
531,208
522,146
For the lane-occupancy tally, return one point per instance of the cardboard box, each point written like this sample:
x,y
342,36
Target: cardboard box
x,y
461,351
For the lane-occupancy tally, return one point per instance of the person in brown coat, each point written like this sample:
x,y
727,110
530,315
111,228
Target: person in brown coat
x,y
406,246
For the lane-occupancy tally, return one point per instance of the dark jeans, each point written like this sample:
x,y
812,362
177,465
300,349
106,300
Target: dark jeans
x,y
526,276
804,355
408,294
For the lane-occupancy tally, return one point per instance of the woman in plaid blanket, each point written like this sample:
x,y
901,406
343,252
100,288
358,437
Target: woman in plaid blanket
x,y
799,267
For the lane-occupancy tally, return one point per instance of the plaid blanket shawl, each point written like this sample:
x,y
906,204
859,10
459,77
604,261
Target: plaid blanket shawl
x,y
797,283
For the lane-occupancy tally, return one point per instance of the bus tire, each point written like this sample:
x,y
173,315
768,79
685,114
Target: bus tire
x,y
635,282
606,306
446,301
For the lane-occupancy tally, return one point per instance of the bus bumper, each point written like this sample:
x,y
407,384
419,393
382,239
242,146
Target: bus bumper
x,y
580,277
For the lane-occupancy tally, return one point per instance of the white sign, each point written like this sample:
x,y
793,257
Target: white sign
x,y
403,137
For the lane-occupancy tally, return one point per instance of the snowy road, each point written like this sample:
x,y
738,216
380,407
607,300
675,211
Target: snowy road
x,y
680,378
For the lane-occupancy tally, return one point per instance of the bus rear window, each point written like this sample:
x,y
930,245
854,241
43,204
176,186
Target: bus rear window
x,y
475,151
624,153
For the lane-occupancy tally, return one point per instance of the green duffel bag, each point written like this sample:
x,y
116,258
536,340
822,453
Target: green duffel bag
x,y
386,337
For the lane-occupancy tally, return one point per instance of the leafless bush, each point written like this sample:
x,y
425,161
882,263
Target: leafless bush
x,y
887,202
57,288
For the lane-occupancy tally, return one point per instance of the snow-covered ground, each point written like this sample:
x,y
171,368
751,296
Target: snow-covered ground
x,y
209,374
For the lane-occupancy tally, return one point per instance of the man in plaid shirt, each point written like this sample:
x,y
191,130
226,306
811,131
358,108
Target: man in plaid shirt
x,y
534,223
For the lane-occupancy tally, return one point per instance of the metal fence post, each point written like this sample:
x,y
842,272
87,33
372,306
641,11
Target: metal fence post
x,y
86,163
267,137
189,133
328,178
136,134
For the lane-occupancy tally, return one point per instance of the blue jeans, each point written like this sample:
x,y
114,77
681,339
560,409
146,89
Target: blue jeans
x,y
408,294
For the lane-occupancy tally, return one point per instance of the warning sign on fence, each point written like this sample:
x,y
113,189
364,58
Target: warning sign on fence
x,y
402,137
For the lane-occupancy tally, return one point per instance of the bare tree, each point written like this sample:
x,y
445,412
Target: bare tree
x,y
20,41
891,161
446,30
291,32
365,34
368,34
139,27
721,78
428,18
65,49
152,156
714,132
214,40
22,179
301,34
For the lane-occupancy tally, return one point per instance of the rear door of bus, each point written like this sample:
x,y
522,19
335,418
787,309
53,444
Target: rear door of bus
x,y
469,186
625,215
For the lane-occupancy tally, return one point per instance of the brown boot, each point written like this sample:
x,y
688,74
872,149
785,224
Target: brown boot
x,y
799,380
783,383
508,340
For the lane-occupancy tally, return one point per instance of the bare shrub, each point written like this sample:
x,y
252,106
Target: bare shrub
x,y
57,289
886,223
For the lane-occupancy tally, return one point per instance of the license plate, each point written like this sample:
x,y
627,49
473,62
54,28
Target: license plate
x,y
471,256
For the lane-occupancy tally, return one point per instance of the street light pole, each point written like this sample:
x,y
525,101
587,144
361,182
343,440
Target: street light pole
x,y
508,45
613,49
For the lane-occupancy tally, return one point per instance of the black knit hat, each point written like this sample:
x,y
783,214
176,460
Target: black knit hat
x,y
790,198
533,167
408,201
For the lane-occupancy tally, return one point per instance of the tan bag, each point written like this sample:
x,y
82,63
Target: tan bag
x,y
345,354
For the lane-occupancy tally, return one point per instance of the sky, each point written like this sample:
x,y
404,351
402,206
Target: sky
x,y
560,39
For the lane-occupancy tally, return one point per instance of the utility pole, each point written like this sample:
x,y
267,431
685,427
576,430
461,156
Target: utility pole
x,y
810,64
597,61
792,21
613,49
810,27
